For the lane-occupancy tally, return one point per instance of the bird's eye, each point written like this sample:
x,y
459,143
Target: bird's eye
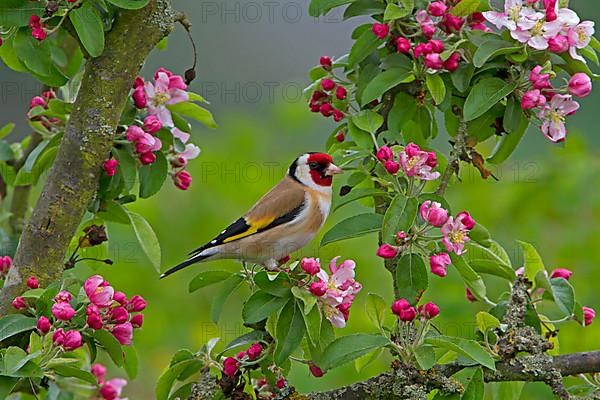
x,y
313,165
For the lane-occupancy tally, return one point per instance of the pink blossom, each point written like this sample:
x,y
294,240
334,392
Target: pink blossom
x,y
452,23
588,315
387,251
579,38
433,213
182,180
408,314
580,85
311,266
437,8
318,288
532,99
111,390
69,340
120,298
414,162
399,305
551,7
123,333
384,154
540,80
63,311
63,296
327,84
98,291
561,273
19,303
380,30
437,46
119,315
167,90
426,23
455,235
553,116
147,158
429,310
422,49
99,371
325,62
438,264
139,97
94,320
533,30
152,124
230,366
43,325
513,10
466,219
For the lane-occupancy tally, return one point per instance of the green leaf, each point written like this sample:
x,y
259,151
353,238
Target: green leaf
x,y
317,8
131,362
111,345
306,298
491,48
6,130
13,324
289,331
89,27
436,87
383,82
146,239
366,44
486,321
168,377
363,139
245,339
564,295
127,167
425,356
474,388
403,110
411,277
349,348
277,284
532,261
396,11
129,4
465,8
17,12
357,194
313,321
513,116
470,277
207,278
376,308
193,110
355,226
368,121
461,78
488,261
153,176
484,95
506,390
229,286
400,216
364,361
468,348
64,370
260,305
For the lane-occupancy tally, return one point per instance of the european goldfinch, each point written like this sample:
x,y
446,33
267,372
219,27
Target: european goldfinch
x,y
281,222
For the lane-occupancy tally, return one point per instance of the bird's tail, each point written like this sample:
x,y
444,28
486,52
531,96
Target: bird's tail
x,y
192,260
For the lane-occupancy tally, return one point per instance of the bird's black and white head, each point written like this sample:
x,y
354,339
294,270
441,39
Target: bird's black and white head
x,y
314,170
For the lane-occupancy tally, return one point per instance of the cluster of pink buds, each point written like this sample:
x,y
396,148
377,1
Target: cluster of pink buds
x,y
264,391
588,313
231,365
407,313
336,293
143,139
431,52
5,264
329,95
38,29
109,389
42,101
413,161
110,166
553,105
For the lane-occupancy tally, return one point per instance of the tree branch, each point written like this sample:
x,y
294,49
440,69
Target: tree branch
x,y
73,179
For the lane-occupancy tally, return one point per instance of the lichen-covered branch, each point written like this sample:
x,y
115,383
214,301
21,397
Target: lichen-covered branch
x,y
73,179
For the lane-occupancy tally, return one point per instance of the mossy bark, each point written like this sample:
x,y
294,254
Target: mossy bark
x,y
73,179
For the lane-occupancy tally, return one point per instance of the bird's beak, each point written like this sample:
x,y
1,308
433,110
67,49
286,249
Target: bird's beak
x,y
333,170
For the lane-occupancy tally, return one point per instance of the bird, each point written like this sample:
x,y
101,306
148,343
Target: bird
x,y
281,222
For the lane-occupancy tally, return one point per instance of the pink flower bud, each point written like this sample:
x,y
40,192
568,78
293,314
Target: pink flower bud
x,y
137,304
437,8
451,64
5,264
338,115
326,109
429,310
408,314
580,85
99,371
111,390
182,180
137,320
561,273
340,136
120,298
110,166
254,351
325,62
63,311
428,29
230,366
452,23
431,159
123,333
69,340
38,101
539,80
19,303
532,99
438,264
433,213
391,166
386,251
98,291
139,97
558,44
401,237
465,218
311,266
437,46
470,296
318,288
94,321
421,49
412,149
327,84
380,30
152,124
403,45
399,305
384,154
281,383
43,325
32,282
434,61
315,370
341,93
119,315
588,315
344,308
147,158
139,82
63,297
551,8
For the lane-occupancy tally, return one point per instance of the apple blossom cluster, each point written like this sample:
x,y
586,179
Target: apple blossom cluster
x,y
39,29
330,98
264,391
108,389
414,162
407,313
553,104
336,292
542,25
41,102
104,308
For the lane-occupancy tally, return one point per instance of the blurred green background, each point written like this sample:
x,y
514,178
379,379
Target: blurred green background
x,y
253,61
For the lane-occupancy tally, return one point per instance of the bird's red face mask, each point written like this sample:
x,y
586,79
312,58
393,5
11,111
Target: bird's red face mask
x,y
322,168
